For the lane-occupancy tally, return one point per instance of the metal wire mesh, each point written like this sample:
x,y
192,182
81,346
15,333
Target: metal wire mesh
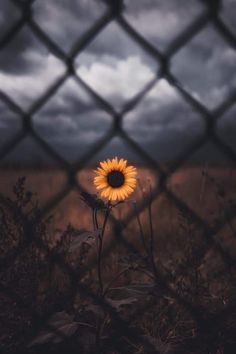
x,y
211,117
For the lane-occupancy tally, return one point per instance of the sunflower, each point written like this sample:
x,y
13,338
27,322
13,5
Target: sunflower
x,y
115,180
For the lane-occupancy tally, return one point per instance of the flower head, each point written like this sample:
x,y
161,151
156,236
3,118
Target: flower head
x,y
115,180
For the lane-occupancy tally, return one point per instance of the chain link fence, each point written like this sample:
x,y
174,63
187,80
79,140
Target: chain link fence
x,y
205,322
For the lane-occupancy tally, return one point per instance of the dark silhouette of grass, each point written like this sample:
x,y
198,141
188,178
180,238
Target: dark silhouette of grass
x,y
185,303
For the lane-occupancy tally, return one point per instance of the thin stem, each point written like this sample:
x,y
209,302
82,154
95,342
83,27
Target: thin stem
x,y
99,255
100,245
203,183
96,219
95,225
99,325
99,265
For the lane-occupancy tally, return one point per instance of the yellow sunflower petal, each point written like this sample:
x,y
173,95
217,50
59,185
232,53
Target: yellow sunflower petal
x,y
130,179
115,163
131,168
103,194
130,175
102,186
100,171
131,184
122,164
120,195
100,178
128,189
104,165
123,195
115,195
107,191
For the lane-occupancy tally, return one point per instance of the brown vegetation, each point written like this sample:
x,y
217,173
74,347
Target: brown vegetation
x,y
169,276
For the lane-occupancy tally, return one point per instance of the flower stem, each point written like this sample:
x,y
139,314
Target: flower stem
x,y
100,246
100,236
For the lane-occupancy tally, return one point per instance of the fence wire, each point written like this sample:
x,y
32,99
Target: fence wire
x,y
114,12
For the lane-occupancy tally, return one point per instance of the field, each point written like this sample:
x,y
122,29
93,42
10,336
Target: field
x,y
174,266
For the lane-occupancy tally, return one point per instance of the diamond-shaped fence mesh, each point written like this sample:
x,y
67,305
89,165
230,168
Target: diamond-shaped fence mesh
x,y
207,324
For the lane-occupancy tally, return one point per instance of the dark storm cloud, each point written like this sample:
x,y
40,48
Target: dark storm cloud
x,y
71,121
66,21
10,124
67,126
207,66
23,55
180,6
226,127
161,21
9,120
19,56
9,15
70,98
114,42
165,121
158,21
117,69
228,13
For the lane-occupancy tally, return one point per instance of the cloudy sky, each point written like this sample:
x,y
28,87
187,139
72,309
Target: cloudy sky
x,y
116,68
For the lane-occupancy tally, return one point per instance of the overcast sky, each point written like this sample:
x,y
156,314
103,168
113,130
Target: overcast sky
x,y
117,68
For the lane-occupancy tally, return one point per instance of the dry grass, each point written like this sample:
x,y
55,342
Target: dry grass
x,y
194,269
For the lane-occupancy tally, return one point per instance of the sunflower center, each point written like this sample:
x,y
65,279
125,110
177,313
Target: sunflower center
x,y
115,179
